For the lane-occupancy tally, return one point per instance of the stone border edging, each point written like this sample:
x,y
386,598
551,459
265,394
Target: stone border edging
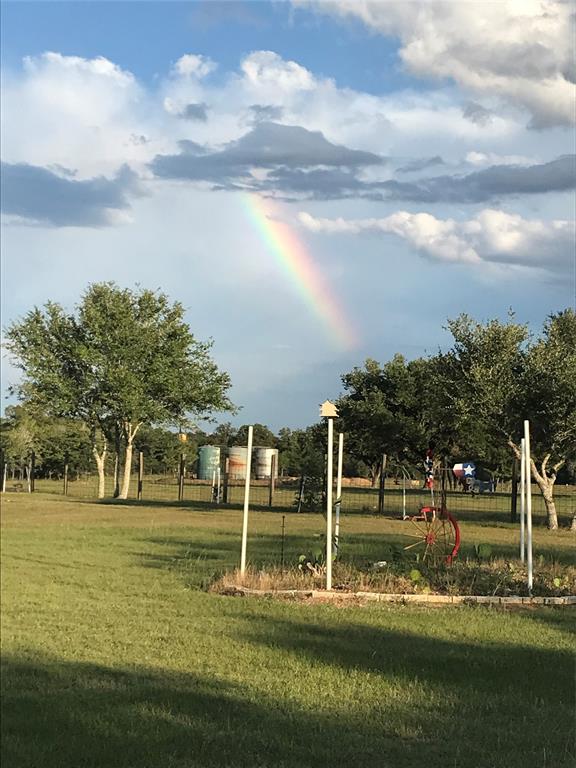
x,y
382,597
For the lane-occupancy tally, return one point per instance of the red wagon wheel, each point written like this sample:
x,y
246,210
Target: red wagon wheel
x,y
437,535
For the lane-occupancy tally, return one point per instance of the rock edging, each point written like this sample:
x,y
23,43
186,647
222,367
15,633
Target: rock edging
x,y
382,597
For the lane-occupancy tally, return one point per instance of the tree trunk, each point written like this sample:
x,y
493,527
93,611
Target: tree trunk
x,y
546,485
545,482
129,434
117,462
573,526
100,459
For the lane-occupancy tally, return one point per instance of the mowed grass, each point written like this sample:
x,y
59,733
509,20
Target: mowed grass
x,y
113,655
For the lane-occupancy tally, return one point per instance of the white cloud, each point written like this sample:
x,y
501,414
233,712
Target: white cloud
x,y
493,236
194,65
521,50
81,114
493,158
265,70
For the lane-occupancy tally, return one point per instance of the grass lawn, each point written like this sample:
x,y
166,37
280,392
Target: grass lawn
x,y
113,655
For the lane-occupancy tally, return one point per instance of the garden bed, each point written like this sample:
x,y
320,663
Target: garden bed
x,y
471,581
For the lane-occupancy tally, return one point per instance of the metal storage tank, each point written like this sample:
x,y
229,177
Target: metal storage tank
x,y
208,461
263,462
237,461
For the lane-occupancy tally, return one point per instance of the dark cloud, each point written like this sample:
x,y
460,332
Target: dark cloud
x,y
268,146
420,165
556,176
192,148
195,112
299,164
321,184
478,114
41,196
265,113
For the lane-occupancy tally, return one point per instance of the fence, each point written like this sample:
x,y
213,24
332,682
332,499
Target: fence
x,y
395,497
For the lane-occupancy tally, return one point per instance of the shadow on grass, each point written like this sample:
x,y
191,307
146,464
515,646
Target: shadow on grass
x,y
483,685
441,704
198,561
73,715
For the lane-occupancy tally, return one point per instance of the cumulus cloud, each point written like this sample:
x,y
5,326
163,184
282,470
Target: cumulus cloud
x,y
193,65
38,195
491,237
266,70
521,50
66,110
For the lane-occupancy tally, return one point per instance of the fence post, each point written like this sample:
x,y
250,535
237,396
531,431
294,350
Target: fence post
x,y
301,493
382,485
140,474
65,479
181,478
32,471
514,496
225,482
272,478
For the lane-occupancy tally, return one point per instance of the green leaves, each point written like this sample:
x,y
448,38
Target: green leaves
x,y
125,358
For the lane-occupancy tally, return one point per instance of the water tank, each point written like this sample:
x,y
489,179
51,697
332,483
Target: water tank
x,y
237,461
263,462
208,461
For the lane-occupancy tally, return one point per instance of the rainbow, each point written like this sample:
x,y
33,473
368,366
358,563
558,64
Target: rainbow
x,y
297,264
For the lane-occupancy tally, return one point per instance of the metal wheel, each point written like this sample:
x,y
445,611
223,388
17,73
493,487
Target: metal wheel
x,y
436,534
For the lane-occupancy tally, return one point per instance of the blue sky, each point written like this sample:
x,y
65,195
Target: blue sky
x,y
421,153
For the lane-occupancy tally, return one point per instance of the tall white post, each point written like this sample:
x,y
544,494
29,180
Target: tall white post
x,y
404,515
338,492
246,500
528,473
522,500
329,481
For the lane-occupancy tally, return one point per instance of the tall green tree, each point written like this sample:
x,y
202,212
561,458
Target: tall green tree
x,y
496,376
384,410
548,396
123,359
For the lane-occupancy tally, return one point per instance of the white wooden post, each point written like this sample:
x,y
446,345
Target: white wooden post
x,y
338,493
522,501
329,481
328,410
246,501
528,472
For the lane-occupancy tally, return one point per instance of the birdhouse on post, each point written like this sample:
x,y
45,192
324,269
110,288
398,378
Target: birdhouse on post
x,y
328,409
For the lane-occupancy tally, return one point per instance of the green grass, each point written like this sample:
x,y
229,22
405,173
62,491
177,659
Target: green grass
x,y
114,656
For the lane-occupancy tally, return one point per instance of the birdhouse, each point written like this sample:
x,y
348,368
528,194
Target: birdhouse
x,y
328,409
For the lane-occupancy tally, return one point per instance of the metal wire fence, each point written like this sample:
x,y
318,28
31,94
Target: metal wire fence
x,y
396,497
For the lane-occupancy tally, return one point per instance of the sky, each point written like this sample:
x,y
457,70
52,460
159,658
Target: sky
x,y
316,182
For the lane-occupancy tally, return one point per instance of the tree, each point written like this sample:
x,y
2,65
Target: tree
x,y
496,377
124,359
549,397
262,436
384,411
